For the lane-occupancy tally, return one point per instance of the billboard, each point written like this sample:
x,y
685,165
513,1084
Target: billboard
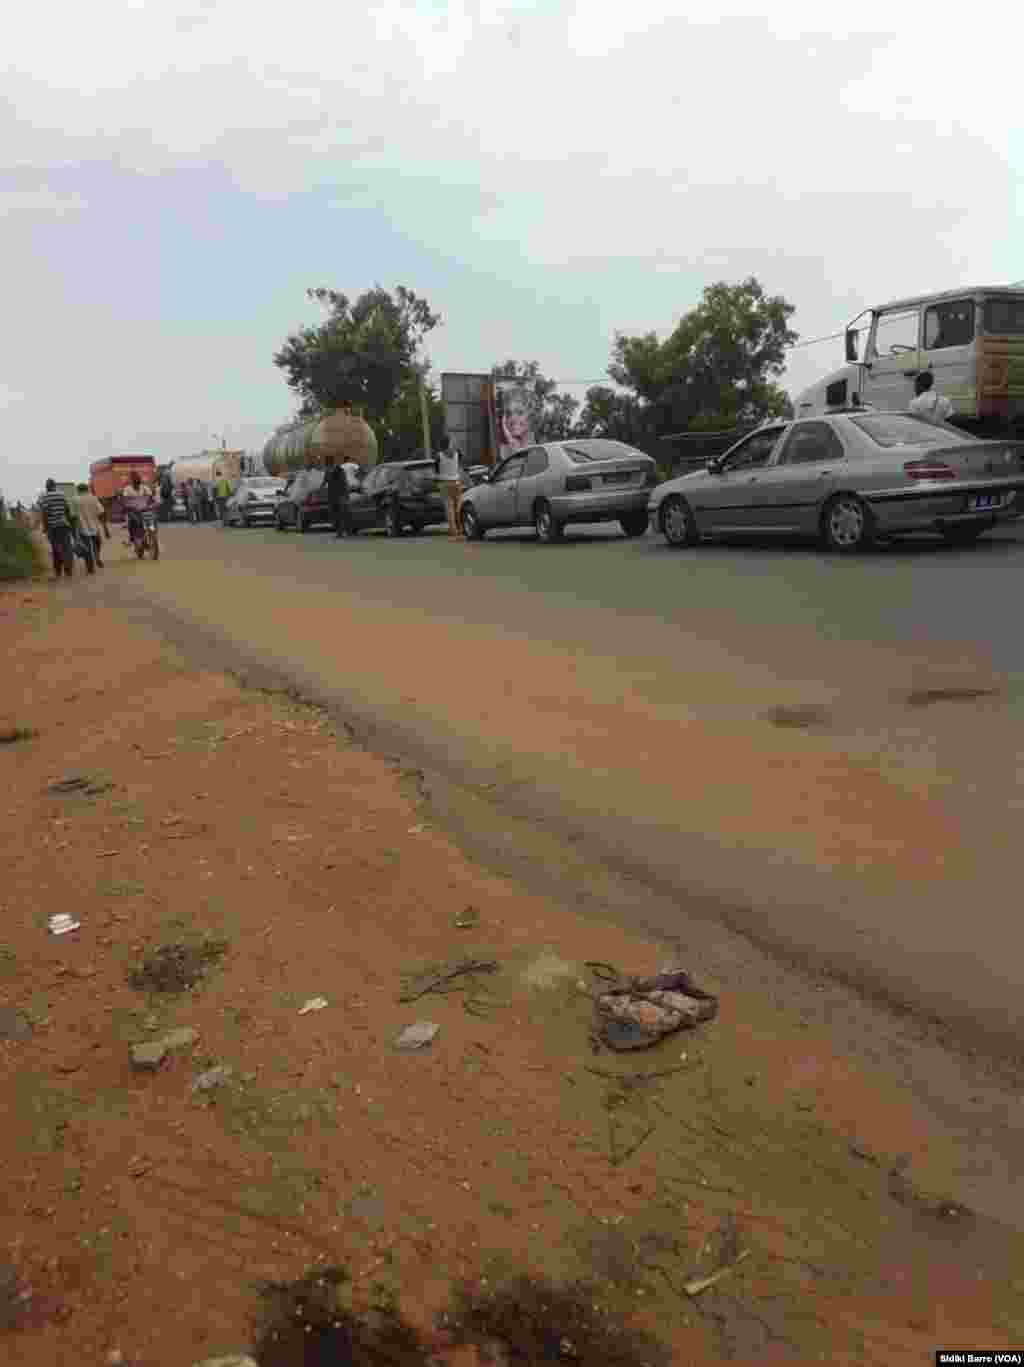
x,y
467,415
514,416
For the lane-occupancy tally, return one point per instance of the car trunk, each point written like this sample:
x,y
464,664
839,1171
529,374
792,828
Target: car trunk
x,y
974,460
621,472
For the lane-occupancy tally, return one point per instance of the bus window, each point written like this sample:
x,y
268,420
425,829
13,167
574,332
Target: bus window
x,y
949,324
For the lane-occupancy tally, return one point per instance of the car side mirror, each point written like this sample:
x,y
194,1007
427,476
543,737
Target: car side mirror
x,y
852,344
715,465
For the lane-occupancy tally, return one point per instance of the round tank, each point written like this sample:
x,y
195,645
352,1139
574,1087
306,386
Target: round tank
x,y
340,435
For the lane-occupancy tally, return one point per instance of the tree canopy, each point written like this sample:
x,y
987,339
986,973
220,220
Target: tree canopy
x,y
363,353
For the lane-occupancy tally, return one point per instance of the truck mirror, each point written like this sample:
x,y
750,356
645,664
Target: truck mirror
x,y
852,344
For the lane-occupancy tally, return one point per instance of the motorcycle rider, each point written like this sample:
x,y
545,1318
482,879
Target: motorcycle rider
x,y
137,498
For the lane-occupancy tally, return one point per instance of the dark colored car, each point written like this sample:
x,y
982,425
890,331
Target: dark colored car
x,y
395,496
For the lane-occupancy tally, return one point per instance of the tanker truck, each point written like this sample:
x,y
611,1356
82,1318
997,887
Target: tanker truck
x,y
207,467
305,446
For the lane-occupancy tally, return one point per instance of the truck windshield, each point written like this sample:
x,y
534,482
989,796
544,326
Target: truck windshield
x,y
1004,316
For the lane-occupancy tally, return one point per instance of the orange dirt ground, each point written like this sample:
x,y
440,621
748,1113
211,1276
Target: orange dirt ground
x,y
142,1214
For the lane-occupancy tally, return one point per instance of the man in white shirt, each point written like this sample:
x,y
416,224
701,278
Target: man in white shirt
x,y
926,404
450,477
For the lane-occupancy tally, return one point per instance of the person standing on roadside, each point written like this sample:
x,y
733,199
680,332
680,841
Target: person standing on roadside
x,y
92,520
221,494
450,476
53,508
926,404
336,482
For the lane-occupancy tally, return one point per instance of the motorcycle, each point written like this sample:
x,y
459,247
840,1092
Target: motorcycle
x,y
144,535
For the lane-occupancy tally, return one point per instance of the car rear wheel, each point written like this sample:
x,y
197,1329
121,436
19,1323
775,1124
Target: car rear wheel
x,y
634,525
962,536
549,529
847,525
678,526
472,529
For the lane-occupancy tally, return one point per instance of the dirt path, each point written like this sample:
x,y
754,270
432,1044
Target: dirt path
x,y
142,1212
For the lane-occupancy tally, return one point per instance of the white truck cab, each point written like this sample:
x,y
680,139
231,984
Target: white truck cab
x,y
971,340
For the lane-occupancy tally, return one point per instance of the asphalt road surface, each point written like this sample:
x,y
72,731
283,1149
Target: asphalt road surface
x,y
822,752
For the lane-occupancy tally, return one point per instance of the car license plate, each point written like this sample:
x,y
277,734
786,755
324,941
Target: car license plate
x,y
975,502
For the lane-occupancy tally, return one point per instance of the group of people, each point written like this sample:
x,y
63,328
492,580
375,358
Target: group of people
x,y
75,524
341,478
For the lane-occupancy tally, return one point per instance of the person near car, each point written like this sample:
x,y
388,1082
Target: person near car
x,y
337,485
353,473
137,498
926,404
53,508
221,494
449,474
92,521
166,498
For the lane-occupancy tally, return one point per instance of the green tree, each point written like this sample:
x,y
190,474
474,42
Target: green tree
x,y
719,366
401,432
361,354
553,413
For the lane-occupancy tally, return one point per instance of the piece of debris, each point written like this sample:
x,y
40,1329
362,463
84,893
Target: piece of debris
x,y
314,1004
418,830
11,735
63,924
79,785
147,1058
701,1284
417,1036
467,919
641,1014
178,1039
926,697
232,1360
177,967
13,1025
440,980
213,1077
526,1321
799,716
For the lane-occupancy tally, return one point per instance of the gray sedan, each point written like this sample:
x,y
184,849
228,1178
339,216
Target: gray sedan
x,y
549,486
847,479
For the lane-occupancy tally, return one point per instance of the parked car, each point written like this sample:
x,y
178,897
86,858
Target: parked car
x,y
847,479
561,482
303,502
254,501
400,494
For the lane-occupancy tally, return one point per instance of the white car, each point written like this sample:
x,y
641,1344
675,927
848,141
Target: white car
x,y
254,502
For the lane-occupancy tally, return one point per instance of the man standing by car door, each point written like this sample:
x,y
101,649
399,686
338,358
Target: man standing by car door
x,y
336,480
450,476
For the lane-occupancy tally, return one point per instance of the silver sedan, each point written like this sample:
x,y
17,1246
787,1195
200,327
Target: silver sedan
x,y
254,501
847,479
549,486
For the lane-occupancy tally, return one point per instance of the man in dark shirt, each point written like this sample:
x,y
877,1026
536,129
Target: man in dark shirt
x,y
336,481
57,525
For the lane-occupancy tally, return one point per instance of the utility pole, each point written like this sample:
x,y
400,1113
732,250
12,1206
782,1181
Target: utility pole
x,y
425,418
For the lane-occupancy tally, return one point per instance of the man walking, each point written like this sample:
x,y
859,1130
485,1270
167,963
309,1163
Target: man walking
x,y
926,404
92,520
336,481
450,476
221,493
57,526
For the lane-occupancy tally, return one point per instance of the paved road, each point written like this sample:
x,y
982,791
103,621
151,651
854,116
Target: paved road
x,y
640,701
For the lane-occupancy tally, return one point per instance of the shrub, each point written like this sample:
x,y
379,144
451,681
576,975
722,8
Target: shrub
x,y
19,554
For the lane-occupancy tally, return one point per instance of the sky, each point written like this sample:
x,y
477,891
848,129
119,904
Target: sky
x,y
174,176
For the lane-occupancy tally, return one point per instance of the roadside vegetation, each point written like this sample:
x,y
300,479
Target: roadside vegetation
x,y
19,555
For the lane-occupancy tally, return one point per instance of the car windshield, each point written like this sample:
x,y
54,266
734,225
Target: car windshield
x,y
900,429
580,452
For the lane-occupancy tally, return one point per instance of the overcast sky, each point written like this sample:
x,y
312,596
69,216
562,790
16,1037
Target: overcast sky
x,y
174,175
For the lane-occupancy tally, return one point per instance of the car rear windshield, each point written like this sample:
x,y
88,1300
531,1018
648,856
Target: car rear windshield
x,y
581,452
900,429
1004,316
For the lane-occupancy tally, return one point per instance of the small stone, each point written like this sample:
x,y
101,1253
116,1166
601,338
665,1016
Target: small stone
x,y
13,1025
179,1039
213,1077
147,1058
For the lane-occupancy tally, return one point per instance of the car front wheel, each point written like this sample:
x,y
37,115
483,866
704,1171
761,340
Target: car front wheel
x,y
678,526
472,528
847,525
548,528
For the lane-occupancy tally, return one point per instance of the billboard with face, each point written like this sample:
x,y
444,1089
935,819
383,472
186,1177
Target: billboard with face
x,y
514,417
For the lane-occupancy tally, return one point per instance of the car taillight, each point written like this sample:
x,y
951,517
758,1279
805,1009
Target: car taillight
x,y
576,484
928,468
651,477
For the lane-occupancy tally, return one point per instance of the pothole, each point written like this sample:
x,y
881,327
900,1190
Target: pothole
x,y
177,967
